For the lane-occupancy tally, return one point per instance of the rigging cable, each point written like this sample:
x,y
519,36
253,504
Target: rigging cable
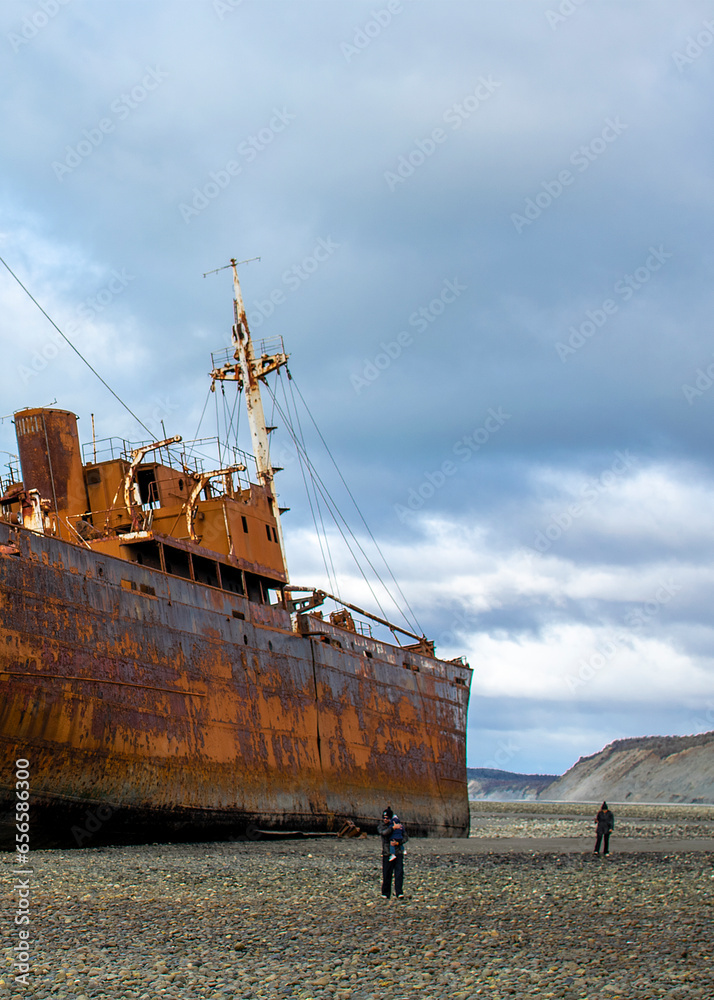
x,y
330,576
218,427
234,446
203,413
229,423
317,501
334,510
414,623
80,356
272,415
239,393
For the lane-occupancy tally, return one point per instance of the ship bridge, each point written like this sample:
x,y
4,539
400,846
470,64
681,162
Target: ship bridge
x,y
161,504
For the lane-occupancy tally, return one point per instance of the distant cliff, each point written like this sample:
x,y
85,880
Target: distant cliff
x,y
644,769
505,786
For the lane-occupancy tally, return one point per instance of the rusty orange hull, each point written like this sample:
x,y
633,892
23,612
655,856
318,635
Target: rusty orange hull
x,y
151,707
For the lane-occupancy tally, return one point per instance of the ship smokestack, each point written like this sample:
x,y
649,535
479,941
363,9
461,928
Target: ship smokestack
x,y
51,461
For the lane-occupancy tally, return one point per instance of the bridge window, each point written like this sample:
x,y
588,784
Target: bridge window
x,y
178,562
232,579
146,554
205,571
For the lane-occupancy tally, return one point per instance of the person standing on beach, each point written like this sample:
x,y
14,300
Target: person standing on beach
x,y
605,823
392,854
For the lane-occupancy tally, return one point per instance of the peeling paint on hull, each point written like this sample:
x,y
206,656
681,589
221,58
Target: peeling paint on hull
x,y
151,708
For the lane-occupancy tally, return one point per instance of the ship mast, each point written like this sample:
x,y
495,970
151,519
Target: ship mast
x,y
248,372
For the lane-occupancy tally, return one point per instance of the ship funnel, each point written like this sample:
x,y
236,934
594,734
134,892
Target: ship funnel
x,y
51,461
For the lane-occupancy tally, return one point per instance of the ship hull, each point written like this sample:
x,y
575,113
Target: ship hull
x,y
153,708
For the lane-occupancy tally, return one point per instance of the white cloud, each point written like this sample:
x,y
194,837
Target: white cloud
x,y
87,300
595,632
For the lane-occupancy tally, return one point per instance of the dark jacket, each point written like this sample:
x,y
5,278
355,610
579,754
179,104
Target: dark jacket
x,y
385,832
605,821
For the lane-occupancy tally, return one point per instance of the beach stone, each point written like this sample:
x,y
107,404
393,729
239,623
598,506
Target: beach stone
x,y
228,921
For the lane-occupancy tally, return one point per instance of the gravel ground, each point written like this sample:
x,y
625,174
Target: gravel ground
x,y
303,919
576,819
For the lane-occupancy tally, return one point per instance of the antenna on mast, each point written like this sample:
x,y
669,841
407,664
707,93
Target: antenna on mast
x,y
233,263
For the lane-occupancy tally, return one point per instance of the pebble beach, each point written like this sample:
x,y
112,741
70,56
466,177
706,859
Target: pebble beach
x,y
522,908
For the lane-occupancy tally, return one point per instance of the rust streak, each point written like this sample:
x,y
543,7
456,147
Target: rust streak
x,y
102,680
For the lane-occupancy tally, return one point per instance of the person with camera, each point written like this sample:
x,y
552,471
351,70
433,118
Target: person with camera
x,y
393,851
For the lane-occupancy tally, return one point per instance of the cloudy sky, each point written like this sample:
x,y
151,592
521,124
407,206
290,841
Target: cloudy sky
x,y
485,237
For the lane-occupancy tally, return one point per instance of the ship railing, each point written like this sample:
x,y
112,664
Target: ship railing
x,y
6,482
113,448
269,346
193,456
105,450
168,455
94,524
73,521
13,468
362,628
219,359
208,451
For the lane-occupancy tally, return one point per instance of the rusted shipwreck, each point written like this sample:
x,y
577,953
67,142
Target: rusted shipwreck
x,y
165,681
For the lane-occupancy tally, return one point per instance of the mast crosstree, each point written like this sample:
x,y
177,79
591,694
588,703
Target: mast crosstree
x,y
248,371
